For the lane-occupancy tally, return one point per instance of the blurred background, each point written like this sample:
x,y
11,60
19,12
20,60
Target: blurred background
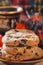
x,y
31,17
33,5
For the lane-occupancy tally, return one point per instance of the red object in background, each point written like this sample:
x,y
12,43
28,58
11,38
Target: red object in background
x,y
0,40
40,34
20,25
14,2
36,18
22,3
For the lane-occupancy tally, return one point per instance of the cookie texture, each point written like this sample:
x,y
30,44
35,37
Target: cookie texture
x,y
23,53
20,45
19,37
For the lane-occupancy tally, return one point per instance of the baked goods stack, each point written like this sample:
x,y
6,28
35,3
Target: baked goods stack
x,y
19,45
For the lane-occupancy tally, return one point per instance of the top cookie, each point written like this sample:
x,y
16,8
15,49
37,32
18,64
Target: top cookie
x,y
20,38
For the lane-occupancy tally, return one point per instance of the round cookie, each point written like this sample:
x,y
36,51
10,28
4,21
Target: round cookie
x,y
22,53
20,37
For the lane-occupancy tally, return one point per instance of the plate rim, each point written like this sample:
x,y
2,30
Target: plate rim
x,y
29,61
